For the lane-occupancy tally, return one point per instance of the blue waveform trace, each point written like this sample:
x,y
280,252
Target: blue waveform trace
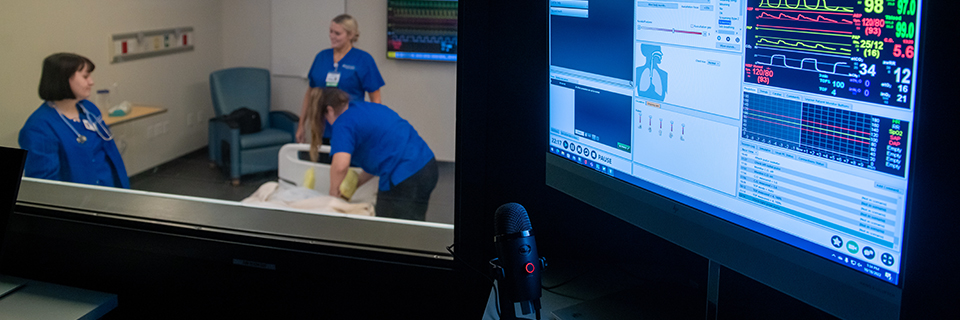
x,y
424,39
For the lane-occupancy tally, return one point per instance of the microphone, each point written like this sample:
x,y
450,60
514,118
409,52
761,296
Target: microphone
x,y
520,265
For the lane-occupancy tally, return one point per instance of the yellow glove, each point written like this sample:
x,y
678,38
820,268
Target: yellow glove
x,y
349,184
308,178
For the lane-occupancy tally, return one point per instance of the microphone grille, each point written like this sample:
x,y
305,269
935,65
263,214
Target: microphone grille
x,y
511,218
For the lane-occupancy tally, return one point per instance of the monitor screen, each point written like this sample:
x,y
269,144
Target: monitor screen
x,y
790,119
422,30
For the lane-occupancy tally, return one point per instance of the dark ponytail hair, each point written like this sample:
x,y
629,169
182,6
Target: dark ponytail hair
x,y
320,98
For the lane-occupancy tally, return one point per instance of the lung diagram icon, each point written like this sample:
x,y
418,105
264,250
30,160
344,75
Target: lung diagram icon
x,y
651,80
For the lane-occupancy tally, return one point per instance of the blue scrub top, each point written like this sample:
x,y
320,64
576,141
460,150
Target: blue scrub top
x,y
381,142
358,72
53,151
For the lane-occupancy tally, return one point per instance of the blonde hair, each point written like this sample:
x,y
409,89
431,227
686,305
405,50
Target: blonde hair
x,y
350,25
320,98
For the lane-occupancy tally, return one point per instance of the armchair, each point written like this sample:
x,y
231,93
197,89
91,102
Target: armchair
x,y
240,154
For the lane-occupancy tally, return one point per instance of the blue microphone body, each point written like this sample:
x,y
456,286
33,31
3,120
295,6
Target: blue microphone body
x,y
519,260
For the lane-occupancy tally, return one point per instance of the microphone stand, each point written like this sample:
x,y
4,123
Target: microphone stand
x,y
507,310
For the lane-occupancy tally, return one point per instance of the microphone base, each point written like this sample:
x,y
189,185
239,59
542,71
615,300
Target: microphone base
x,y
500,307
526,307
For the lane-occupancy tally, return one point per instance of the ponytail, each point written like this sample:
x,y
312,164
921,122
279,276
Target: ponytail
x,y
316,123
320,98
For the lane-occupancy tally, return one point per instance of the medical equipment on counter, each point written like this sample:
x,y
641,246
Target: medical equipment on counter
x,y
119,110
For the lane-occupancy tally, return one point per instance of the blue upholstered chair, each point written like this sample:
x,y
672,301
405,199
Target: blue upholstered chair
x,y
236,88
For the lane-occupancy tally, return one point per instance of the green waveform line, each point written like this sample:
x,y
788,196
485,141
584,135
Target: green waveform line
x,y
802,40
810,50
784,4
806,126
800,46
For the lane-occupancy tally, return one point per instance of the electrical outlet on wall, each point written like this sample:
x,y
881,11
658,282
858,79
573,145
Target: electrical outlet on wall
x,y
157,129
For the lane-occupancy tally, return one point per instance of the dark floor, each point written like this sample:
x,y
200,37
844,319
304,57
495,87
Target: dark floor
x,y
192,175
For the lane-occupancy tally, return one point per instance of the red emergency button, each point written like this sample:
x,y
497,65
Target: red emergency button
x,y
530,267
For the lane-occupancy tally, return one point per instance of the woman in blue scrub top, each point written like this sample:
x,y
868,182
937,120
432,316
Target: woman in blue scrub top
x,y
344,67
66,138
382,144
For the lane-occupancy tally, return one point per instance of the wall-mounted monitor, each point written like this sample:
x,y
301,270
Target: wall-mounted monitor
x,y
422,30
779,131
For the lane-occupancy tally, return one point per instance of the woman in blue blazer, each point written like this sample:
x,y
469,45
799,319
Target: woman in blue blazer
x,y
66,138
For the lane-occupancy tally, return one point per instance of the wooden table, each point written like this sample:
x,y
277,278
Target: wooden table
x,y
136,112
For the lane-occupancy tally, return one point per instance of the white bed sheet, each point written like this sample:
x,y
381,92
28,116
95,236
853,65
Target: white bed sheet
x,y
290,192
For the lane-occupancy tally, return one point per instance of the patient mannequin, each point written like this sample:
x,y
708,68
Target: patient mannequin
x,y
283,195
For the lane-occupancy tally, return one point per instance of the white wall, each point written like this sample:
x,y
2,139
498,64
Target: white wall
x,y
246,33
30,30
228,33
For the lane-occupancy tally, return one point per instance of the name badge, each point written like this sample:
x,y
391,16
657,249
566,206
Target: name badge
x,y
89,126
333,79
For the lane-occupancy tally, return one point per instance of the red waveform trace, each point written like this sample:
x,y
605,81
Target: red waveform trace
x,y
811,122
806,29
801,17
803,11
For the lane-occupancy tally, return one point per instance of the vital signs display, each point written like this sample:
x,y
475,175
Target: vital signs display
x,y
791,118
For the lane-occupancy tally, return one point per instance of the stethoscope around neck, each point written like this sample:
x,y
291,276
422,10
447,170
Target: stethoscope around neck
x,y
96,121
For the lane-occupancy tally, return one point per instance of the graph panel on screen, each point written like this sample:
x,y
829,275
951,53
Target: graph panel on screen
x,y
791,118
422,30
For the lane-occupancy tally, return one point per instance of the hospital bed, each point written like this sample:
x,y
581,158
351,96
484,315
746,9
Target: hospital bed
x,y
290,191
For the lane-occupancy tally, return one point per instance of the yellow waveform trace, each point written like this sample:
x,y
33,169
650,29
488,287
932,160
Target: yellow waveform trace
x,y
767,38
784,4
797,44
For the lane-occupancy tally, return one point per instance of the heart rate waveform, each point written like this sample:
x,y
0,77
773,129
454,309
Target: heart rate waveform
x,y
820,5
838,48
831,133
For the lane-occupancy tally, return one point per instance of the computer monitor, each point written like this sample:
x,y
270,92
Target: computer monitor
x,y
422,30
747,131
